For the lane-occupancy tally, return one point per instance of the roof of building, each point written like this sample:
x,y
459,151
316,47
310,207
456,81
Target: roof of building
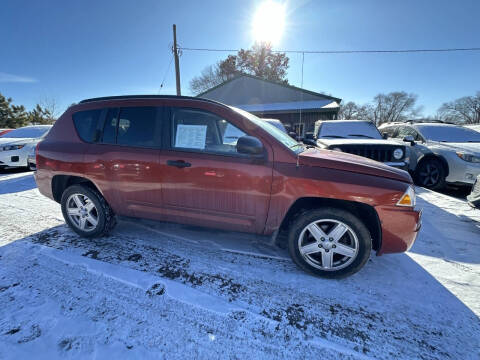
x,y
289,106
255,94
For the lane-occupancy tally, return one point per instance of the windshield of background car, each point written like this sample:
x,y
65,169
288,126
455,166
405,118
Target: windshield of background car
x,y
443,133
277,124
272,130
27,132
349,130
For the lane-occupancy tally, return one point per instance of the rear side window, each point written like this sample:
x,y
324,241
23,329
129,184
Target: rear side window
x,y
138,126
86,124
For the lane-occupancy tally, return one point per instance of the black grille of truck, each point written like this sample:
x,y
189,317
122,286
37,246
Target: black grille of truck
x,y
382,153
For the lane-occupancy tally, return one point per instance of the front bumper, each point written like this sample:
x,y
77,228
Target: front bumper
x,y
400,228
14,158
462,172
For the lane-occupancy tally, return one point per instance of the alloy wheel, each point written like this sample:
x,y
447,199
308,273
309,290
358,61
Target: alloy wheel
x,y
82,212
429,175
328,244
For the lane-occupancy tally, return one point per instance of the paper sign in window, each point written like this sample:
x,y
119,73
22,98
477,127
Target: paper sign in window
x,y
191,136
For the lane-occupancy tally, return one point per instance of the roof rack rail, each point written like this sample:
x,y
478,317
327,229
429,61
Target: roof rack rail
x,y
126,97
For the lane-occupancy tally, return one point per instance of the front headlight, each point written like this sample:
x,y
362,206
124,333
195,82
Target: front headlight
x,y
468,157
398,154
12,147
408,198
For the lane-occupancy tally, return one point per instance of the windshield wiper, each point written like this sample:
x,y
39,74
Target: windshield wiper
x,y
333,136
361,135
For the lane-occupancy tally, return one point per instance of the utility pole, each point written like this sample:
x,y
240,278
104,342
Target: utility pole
x,y
177,64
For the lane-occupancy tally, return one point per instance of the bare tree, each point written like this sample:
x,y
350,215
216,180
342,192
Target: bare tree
x,y
211,76
260,61
353,111
395,106
464,110
50,107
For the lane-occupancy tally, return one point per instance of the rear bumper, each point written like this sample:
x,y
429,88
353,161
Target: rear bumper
x,y
44,183
400,228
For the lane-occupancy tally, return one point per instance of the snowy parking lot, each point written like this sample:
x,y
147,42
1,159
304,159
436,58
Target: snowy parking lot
x,y
158,290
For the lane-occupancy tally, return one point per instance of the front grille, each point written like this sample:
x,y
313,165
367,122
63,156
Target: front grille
x,y
382,153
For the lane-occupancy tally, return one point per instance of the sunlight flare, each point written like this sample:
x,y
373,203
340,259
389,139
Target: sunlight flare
x,y
269,22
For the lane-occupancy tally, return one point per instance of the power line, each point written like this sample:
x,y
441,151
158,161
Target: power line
x,y
165,76
344,51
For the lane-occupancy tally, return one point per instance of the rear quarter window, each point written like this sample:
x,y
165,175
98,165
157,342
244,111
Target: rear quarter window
x,y
86,124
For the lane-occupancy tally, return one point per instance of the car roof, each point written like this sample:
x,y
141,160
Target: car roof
x,y
434,124
147,96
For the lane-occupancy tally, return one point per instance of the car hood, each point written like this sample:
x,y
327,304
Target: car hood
x,y
467,147
353,163
17,141
333,142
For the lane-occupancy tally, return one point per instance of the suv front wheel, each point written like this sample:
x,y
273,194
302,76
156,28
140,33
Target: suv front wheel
x,y
86,212
329,242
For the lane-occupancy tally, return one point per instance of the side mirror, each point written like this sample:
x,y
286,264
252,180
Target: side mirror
x,y
249,145
385,135
410,139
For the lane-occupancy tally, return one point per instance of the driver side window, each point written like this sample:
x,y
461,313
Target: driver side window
x,y
200,130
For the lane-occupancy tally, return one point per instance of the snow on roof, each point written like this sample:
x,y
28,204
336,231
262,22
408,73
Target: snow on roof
x,y
293,105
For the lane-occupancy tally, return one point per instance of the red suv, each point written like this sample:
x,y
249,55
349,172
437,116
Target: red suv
x,y
199,162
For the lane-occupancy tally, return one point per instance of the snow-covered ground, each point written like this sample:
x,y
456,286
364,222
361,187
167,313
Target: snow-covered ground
x,y
157,290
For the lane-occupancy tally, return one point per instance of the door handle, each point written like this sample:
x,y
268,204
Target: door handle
x,y
178,163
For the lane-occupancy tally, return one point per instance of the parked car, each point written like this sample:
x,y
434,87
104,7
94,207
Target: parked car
x,y
17,144
360,138
166,158
454,157
4,131
474,197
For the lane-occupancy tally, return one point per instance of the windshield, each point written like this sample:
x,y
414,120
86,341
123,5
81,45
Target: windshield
x,y
349,130
27,132
445,133
272,130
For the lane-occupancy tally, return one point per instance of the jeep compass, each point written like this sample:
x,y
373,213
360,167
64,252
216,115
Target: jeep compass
x,y
200,162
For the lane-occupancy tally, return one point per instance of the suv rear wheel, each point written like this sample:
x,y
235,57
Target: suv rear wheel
x,y
86,212
329,242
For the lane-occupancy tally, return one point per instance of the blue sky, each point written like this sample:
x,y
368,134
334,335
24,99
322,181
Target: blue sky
x,y
70,50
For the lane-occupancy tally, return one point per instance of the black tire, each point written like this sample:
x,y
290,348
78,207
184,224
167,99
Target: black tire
x,y
304,218
105,215
430,174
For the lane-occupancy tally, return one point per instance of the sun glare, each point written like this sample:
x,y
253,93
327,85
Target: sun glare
x,y
269,22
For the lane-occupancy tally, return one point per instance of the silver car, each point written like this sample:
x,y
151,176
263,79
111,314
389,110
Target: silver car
x,y
453,155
